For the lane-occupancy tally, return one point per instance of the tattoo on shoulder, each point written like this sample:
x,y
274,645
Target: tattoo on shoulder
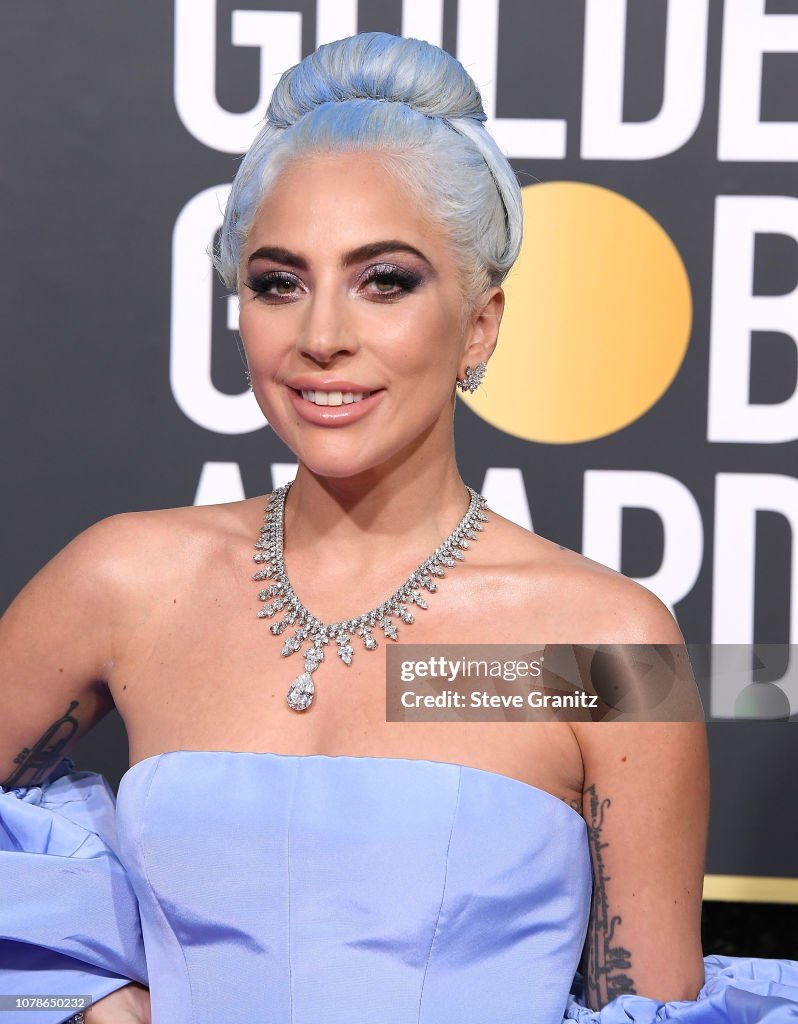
x,y
35,763
575,804
606,960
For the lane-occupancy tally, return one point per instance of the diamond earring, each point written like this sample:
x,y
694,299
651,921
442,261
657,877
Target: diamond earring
x,y
249,379
473,378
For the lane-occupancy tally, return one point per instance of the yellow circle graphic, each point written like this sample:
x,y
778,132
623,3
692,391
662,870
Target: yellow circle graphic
x,y
597,319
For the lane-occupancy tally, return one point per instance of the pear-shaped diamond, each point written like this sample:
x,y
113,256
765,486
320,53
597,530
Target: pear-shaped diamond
x,y
291,645
300,693
345,651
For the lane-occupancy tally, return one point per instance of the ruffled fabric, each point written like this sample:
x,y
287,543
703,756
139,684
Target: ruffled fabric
x,y
736,990
70,921
69,918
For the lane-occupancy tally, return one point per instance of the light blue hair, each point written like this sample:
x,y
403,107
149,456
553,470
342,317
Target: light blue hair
x,y
418,109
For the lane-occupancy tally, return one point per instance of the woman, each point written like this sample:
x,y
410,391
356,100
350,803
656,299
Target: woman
x,y
278,850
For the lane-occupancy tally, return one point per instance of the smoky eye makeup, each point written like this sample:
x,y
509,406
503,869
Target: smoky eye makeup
x,y
383,281
272,283
399,280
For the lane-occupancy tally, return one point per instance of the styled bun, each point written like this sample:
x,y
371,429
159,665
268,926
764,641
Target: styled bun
x,y
417,106
377,66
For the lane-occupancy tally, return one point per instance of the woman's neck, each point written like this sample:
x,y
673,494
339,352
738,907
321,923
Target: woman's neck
x,y
374,516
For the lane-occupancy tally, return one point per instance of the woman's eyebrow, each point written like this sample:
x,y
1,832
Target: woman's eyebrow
x,y
363,252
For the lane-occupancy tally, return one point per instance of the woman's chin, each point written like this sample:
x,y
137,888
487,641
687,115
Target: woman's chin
x,y
337,467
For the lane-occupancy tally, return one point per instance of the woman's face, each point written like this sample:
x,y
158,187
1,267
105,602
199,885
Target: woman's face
x,y
353,318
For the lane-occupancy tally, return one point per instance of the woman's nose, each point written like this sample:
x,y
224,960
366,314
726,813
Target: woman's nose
x,y
327,330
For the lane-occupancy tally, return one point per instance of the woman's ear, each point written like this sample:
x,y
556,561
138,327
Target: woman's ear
x,y
483,327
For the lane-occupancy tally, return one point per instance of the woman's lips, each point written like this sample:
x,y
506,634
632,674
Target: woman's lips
x,y
335,415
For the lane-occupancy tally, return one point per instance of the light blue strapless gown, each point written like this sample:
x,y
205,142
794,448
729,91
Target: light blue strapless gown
x,y
285,889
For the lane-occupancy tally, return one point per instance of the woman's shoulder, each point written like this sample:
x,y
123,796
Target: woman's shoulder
x,y
588,601
137,544
230,518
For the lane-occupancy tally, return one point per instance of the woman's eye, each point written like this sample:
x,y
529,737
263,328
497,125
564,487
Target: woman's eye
x,y
391,282
274,283
386,282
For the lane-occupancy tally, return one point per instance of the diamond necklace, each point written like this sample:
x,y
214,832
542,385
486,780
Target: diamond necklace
x,y
280,594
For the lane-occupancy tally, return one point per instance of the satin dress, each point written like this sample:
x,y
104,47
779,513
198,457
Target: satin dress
x,y
288,889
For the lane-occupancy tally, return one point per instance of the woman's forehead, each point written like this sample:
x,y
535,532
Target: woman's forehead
x,y
344,201
337,178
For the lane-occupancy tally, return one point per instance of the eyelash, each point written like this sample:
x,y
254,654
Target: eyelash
x,y
406,279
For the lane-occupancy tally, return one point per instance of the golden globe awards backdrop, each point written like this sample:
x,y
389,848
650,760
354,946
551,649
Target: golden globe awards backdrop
x,y
642,406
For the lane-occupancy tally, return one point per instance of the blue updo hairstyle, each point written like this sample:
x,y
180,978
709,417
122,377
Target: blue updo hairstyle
x,y
415,105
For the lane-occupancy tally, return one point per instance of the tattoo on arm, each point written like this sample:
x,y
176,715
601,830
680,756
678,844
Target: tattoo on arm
x,y
36,762
606,964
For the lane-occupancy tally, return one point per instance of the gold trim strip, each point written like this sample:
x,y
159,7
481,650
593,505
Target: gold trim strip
x,y
750,889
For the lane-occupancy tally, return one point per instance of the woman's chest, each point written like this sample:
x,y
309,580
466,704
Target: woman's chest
x,y
201,671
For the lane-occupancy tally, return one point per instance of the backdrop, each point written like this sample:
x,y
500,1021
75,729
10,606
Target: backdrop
x,y
642,406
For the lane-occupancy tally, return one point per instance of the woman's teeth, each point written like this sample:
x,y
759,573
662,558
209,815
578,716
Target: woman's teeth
x,y
334,397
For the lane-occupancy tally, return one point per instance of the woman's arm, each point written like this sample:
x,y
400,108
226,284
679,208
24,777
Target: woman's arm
x,y
57,645
69,916
645,801
128,1005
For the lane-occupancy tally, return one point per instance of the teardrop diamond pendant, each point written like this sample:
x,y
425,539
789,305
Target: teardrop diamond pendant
x,y
300,692
279,597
